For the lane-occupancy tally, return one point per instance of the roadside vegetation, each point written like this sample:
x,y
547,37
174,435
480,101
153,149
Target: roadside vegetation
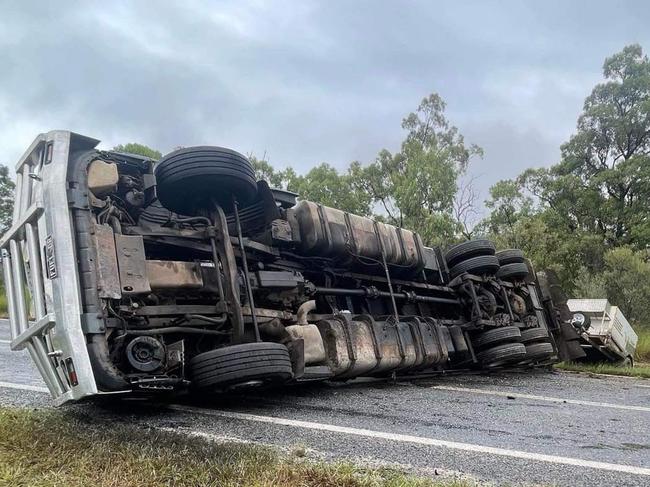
x,y
643,346
3,303
640,370
53,448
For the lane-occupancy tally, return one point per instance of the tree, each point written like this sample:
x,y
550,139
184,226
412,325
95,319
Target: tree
x,y
465,208
508,205
265,171
575,216
602,184
139,149
6,199
624,281
417,187
323,184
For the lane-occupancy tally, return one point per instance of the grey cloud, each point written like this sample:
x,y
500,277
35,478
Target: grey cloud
x,y
307,82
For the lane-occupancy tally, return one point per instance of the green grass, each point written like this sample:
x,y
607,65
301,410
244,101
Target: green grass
x,y
639,370
54,448
643,345
3,304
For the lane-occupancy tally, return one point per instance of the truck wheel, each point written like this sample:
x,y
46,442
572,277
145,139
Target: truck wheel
x,y
539,351
581,321
481,265
502,354
190,180
513,271
496,336
465,250
532,335
510,256
260,363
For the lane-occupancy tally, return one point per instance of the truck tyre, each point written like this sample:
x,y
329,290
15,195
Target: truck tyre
x,y
496,336
502,354
189,180
261,363
532,335
539,351
510,256
513,271
581,321
465,250
481,265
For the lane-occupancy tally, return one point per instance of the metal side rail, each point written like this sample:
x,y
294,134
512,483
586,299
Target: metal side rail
x,y
40,272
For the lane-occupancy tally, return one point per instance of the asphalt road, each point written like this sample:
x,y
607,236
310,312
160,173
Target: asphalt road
x,y
547,428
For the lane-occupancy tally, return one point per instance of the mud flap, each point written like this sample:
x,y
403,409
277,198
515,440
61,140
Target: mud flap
x,y
555,303
568,343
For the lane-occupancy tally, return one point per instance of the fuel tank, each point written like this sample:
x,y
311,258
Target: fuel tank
x,y
328,232
360,346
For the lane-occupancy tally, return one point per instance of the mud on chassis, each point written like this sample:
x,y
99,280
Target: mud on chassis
x,y
187,273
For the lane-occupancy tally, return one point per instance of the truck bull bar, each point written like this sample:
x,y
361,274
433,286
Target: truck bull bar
x,y
39,265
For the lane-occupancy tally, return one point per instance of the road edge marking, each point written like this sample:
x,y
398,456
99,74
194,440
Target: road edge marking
x,y
533,397
397,437
24,387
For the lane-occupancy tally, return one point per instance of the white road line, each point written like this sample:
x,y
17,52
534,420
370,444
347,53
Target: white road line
x,y
538,457
24,387
542,398
5,341
453,445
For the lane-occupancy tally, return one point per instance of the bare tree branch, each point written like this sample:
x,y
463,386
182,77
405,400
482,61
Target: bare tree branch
x,y
465,206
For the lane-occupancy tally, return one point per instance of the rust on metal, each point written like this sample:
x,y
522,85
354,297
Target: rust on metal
x,y
108,281
172,274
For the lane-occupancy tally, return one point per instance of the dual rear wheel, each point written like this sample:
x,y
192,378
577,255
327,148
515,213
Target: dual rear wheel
x,y
509,344
474,257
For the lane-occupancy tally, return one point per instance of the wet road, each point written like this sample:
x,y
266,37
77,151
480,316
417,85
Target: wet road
x,y
547,428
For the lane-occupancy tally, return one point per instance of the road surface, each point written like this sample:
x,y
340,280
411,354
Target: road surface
x,y
548,428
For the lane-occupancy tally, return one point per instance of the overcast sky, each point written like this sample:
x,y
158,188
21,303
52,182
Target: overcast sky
x,y
308,82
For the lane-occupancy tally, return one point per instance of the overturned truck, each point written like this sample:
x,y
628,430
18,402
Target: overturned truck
x,y
129,275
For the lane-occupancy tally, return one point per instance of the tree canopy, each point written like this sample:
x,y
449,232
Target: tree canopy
x,y
6,199
416,187
588,215
139,149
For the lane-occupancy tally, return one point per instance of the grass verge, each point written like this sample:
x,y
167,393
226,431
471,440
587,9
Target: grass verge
x,y
640,370
54,448
3,304
643,345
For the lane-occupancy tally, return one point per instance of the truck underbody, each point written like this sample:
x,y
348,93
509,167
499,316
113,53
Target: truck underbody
x,y
187,274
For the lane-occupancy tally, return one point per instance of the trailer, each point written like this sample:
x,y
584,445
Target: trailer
x,y
125,275
605,332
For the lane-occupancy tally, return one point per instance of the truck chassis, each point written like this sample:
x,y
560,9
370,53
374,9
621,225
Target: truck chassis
x,y
126,275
